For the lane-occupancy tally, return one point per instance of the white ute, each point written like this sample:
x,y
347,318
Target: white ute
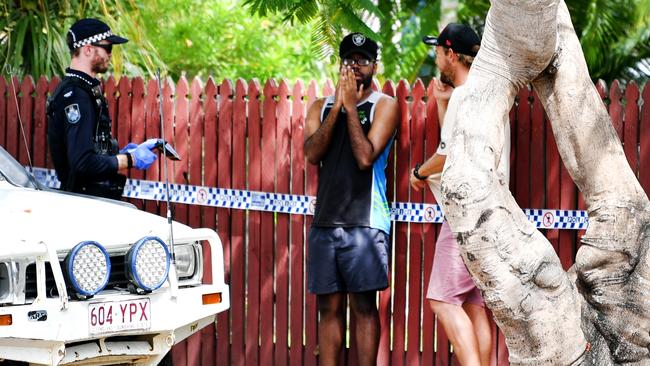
x,y
88,281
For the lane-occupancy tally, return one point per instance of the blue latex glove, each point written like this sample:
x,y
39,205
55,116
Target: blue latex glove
x,y
142,155
128,148
150,143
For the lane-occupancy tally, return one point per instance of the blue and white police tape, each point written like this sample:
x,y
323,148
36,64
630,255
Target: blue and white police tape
x,y
304,205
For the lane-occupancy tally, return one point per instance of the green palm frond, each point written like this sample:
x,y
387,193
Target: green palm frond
x,y
32,40
324,36
389,53
613,35
397,26
265,7
413,52
367,6
303,12
352,21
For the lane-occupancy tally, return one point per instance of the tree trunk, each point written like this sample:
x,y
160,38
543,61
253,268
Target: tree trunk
x,y
545,319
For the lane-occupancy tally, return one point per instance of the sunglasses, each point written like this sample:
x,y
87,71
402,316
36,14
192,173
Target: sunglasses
x,y
107,47
360,62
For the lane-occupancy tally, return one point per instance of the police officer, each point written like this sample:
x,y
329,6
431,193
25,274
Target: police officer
x,y
84,153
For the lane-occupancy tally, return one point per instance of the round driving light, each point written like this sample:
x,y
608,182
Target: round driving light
x,y
147,263
88,267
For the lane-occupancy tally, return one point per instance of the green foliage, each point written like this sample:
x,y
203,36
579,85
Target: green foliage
x,y
216,37
30,39
32,35
397,26
220,38
290,38
614,35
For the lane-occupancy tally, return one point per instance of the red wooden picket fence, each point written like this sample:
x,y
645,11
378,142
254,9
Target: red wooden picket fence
x,y
243,135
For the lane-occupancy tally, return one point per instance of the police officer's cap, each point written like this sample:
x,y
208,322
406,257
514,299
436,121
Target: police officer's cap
x,y
87,31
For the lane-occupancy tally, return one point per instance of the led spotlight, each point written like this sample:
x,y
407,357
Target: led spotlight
x,y
88,267
147,263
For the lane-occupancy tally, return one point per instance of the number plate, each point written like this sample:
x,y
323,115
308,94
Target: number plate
x,y
115,316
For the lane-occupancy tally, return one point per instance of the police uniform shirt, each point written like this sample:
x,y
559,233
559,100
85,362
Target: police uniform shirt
x,y
348,196
74,129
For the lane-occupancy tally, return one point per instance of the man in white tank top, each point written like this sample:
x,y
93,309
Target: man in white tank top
x,y
452,294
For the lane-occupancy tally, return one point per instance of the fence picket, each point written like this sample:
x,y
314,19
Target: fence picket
x,y
568,201
537,145
210,134
311,311
195,347
26,113
169,93
297,226
208,218
254,224
12,129
552,182
522,145
631,121
4,88
180,138
431,135
40,149
175,123
124,106
415,289
401,229
224,155
282,158
268,141
138,125
644,140
152,129
616,108
238,251
384,356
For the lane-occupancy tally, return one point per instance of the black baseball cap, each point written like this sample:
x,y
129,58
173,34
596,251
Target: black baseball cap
x,y
458,37
89,30
358,43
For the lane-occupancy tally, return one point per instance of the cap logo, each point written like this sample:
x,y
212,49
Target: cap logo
x,y
358,39
448,43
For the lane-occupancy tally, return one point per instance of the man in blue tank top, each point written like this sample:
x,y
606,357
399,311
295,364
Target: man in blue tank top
x,y
349,135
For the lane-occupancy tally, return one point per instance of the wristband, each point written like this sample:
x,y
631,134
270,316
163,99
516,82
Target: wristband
x,y
416,174
129,160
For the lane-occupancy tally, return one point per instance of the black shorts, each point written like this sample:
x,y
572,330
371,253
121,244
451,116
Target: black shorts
x,y
347,259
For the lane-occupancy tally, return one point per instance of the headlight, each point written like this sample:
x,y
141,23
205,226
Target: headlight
x,y
185,260
88,267
147,263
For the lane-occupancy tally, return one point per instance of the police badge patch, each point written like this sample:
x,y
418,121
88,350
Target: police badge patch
x,y
72,113
358,39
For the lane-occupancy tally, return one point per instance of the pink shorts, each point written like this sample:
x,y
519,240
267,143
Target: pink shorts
x,y
450,281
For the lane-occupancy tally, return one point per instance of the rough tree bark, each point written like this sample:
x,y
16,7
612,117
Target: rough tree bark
x,y
549,317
